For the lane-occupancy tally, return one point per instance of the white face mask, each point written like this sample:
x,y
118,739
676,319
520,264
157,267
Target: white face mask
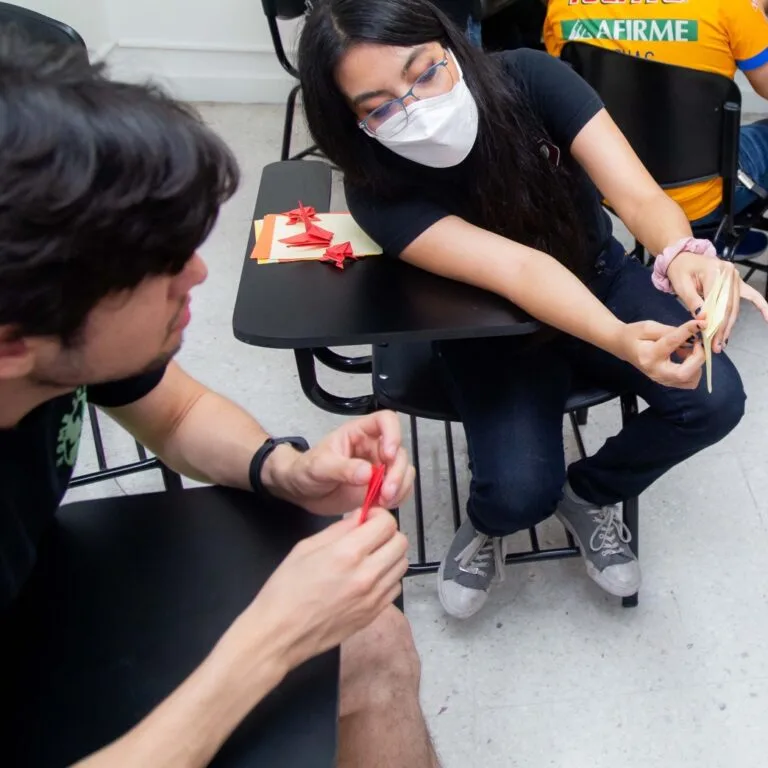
x,y
440,132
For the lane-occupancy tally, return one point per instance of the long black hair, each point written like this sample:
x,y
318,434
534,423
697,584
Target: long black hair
x,y
516,191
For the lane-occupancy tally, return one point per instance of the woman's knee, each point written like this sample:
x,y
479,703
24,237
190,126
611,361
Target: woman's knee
x,y
513,501
718,412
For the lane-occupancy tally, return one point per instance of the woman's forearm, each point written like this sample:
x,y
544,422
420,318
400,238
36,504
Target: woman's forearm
x,y
657,222
530,279
555,296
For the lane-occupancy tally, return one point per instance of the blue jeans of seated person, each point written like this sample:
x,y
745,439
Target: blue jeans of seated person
x,y
511,395
474,32
753,160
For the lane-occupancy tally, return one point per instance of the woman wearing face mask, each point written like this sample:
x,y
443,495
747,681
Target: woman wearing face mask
x,y
486,169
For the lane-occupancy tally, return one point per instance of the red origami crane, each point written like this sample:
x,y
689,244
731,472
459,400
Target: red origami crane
x,y
337,253
305,214
314,236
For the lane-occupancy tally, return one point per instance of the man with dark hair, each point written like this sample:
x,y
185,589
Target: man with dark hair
x,y
107,190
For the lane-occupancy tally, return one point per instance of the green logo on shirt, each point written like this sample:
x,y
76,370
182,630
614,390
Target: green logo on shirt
x,y
635,30
70,429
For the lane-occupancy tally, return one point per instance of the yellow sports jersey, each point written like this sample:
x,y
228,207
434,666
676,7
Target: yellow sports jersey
x,y
713,35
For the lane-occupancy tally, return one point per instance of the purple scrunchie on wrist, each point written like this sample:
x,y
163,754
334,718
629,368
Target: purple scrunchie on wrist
x,y
663,260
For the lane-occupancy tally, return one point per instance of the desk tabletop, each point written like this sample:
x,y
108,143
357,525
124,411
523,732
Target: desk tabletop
x,y
374,300
129,596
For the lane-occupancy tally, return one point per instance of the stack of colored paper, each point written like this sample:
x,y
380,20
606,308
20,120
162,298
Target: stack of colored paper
x,y
295,237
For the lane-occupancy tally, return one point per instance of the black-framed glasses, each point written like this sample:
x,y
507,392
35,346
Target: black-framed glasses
x,y
434,81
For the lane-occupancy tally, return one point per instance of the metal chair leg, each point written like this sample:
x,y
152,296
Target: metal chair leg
x,y
400,599
577,434
290,108
421,546
98,442
630,513
452,476
631,507
171,479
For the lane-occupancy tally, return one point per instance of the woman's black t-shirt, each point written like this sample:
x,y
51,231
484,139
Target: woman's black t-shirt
x,y
563,102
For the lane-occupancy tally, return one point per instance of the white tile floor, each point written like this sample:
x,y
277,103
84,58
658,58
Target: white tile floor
x,y
553,672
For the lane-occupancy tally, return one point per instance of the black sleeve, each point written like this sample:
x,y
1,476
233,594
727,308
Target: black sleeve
x,y
113,394
392,224
563,101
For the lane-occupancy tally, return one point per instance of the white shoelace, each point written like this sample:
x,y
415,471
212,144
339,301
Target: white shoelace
x,y
478,556
611,532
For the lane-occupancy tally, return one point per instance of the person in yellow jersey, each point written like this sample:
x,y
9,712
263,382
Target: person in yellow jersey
x,y
713,35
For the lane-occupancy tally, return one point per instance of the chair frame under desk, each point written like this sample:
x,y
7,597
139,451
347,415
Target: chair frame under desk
x,y
360,405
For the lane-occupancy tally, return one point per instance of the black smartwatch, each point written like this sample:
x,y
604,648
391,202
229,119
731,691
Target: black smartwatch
x,y
257,462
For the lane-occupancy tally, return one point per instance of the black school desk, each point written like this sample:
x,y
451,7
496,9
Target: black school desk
x,y
375,300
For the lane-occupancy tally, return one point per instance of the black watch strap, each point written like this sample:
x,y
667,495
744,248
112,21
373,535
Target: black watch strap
x,y
257,462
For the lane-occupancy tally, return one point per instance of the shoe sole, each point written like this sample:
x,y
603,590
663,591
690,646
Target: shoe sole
x,y
440,580
592,571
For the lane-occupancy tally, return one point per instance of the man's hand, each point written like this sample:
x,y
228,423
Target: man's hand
x,y
330,586
332,477
692,277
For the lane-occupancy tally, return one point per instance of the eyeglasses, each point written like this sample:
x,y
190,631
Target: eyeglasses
x,y
434,81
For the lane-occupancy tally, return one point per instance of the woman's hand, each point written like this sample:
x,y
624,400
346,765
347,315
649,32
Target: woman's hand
x,y
649,346
692,277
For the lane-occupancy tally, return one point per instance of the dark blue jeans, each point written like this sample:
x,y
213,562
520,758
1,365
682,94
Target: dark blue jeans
x,y
753,160
511,394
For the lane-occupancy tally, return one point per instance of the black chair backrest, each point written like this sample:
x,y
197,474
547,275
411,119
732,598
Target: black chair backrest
x,y
675,118
37,28
484,9
284,9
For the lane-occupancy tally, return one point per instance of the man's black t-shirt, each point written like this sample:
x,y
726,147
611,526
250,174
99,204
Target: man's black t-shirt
x,y
560,99
37,457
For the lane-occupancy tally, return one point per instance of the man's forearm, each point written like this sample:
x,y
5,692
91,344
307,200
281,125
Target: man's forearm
x,y
188,728
214,442
202,435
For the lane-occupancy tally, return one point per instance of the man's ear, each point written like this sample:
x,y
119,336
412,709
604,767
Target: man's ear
x,y
17,357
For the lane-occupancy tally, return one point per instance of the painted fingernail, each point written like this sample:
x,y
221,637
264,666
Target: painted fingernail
x,y
691,339
697,311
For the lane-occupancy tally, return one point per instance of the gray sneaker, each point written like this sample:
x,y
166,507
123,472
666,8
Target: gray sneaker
x,y
474,562
604,541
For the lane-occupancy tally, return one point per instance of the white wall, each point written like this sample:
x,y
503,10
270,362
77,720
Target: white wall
x,y
203,50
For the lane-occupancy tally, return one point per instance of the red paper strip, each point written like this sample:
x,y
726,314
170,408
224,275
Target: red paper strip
x,y
374,487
